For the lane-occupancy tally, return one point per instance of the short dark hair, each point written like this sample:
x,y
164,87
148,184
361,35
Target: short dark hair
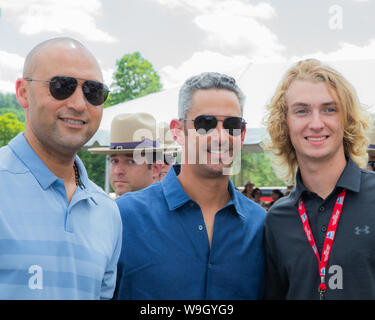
x,y
278,192
206,81
255,191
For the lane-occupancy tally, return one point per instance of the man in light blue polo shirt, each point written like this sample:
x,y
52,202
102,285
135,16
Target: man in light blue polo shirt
x,y
193,235
60,234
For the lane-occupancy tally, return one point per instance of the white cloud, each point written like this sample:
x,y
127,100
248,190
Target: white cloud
x,y
193,5
346,51
233,25
7,86
261,10
202,62
107,76
11,65
57,16
230,26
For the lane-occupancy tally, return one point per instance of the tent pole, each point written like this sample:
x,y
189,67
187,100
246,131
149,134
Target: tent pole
x,y
106,178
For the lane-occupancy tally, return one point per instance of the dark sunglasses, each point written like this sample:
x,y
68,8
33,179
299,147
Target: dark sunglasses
x,y
62,87
234,125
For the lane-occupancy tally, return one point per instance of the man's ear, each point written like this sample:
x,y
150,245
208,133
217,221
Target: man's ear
x,y
22,93
156,168
177,131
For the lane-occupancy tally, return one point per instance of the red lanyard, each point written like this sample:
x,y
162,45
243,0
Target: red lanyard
x,y
328,241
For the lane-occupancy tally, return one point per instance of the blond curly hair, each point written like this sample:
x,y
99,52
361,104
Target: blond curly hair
x,y
355,118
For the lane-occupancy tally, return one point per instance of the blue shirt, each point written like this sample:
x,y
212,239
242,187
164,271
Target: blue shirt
x,y
166,253
49,248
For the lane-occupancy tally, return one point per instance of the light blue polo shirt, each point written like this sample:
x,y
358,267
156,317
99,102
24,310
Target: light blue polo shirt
x,y
49,248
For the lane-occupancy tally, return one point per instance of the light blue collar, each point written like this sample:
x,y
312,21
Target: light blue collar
x,y
39,170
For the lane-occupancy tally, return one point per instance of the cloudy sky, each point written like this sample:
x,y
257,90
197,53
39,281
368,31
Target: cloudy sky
x,y
185,37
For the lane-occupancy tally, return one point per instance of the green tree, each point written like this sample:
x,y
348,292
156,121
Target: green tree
x,y
9,127
257,168
95,166
8,103
135,77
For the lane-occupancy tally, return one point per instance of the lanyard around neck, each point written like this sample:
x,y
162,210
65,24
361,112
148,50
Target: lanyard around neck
x,y
328,241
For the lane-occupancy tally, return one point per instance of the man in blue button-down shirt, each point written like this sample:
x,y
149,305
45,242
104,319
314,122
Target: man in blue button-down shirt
x,y
193,236
60,234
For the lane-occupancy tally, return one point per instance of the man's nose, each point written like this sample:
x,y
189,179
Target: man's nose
x,y
77,100
316,122
120,169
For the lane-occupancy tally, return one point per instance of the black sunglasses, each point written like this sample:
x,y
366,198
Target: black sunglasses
x,y
234,125
62,87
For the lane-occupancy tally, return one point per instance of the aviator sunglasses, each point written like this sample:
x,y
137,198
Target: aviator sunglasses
x,y
234,125
62,87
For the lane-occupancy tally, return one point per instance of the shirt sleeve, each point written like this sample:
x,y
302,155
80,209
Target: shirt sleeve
x,y
109,280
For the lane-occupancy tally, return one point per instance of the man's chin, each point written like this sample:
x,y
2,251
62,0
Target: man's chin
x,y
72,143
216,170
74,139
121,192
121,189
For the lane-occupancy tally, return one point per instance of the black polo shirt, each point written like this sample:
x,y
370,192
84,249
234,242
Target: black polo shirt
x,y
291,265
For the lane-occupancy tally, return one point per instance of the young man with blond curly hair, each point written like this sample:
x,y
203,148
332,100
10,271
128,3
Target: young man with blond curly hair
x,y
320,239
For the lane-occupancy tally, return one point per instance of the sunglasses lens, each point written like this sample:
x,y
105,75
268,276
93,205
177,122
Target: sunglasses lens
x,y
203,124
235,125
62,87
95,92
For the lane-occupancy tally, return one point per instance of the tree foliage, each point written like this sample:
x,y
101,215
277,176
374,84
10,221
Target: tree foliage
x,y
8,103
135,77
95,166
9,127
256,167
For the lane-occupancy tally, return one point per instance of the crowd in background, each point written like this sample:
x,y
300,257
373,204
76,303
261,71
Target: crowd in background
x,y
255,194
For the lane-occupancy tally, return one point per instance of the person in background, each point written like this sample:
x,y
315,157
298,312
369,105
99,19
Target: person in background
x,y
276,195
288,190
60,233
170,151
371,148
135,152
248,189
371,163
256,195
169,160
